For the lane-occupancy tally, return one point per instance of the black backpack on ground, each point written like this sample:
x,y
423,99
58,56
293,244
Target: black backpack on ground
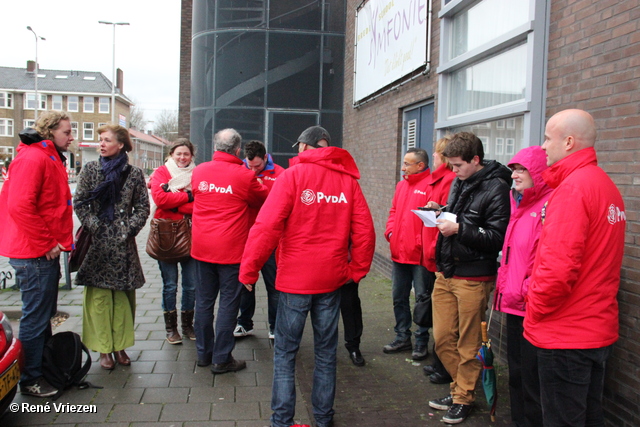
x,y
62,364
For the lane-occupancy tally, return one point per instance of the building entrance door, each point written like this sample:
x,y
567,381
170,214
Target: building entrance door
x,y
417,128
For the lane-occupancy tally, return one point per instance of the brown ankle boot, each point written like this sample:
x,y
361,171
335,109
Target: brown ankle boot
x,y
187,325
171,325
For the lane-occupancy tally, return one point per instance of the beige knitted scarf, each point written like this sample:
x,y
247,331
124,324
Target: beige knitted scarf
x,y
180,177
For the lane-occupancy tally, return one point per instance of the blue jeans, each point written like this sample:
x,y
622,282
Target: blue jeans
x,y
214,279
290,321
248,299
403,277
38,280
571,386
169,273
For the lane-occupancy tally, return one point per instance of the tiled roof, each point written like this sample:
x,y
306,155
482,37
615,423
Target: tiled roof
x,y
64,81
152,139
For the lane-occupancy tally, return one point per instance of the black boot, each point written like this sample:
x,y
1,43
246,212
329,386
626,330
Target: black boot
x,y
171,325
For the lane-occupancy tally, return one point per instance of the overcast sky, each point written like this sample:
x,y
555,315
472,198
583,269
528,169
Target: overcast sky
x,y
147,50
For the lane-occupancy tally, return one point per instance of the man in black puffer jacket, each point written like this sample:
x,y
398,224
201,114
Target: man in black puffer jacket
x,y
466,256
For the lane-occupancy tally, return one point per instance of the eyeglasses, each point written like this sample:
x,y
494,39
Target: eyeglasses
x,y
409,164
519,170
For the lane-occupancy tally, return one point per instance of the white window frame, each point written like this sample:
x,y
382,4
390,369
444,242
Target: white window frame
x,y
509,145
102,104
43,101
85,129
53,102
29,123
7,127
485,144
77,102
7,100
74,130
85,103
499,151
534,34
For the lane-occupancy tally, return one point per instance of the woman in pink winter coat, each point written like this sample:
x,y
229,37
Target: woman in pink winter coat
x,y
518,253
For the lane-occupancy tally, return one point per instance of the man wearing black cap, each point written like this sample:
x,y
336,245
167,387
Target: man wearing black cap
x,y
317,215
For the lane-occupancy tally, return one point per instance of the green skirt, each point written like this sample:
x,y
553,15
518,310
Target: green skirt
x,y
107,322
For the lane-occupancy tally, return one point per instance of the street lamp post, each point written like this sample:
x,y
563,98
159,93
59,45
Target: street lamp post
x,y
35,114
113,79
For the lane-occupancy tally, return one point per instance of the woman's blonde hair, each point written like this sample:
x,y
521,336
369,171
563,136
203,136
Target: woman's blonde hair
x,y
49,121
438,149
121,134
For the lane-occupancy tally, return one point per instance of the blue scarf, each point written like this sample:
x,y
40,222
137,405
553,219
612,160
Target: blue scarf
x,y
107,192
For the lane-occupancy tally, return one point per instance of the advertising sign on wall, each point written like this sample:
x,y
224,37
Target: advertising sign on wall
x,y
391,42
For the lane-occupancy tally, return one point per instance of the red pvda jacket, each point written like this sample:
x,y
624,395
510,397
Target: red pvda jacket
x,y
165,201
318,217
35,205
404,228
572,299
438,191
268,177
224,191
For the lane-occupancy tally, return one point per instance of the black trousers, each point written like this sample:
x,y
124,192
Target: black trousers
x,y
351,311
524,385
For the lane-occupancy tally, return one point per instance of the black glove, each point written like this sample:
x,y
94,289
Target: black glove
x,y
190,195
165,187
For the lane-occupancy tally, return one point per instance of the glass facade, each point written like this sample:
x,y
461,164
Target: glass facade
x,y
267,68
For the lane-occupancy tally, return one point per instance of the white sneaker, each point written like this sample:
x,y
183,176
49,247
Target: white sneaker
x,y
240,332
271,335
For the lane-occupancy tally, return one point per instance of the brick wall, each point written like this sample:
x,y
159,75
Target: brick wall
x,y
594,64
373,133
184,103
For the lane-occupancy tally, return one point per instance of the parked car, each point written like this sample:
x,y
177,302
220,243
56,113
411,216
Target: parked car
x,y
10,363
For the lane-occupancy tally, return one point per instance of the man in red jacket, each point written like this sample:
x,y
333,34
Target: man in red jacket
x,y
260,162
36,213
404,233
224,192
318,217
572,308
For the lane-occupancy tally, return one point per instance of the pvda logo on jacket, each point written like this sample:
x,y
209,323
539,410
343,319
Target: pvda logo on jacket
x,y
205,187
309,197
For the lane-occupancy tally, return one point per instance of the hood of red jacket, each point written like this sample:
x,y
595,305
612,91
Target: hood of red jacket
x,y
333,158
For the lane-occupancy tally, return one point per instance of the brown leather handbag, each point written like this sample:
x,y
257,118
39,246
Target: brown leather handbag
x,y
80,249
169,239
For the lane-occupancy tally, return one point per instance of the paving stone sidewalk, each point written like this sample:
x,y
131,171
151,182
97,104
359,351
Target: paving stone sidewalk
x,y
164,387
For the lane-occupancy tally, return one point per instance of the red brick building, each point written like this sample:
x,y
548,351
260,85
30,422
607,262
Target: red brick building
x,y
499,68
568,54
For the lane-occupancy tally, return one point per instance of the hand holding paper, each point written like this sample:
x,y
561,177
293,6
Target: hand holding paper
x,y
429,217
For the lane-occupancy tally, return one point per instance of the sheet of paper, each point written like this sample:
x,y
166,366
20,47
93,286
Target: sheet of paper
x,y
429,217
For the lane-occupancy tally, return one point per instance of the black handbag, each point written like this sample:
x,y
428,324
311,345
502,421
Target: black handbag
x,y
82,243
169,239
423,311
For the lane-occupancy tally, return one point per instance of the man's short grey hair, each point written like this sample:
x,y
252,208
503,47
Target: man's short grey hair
x,y
227,141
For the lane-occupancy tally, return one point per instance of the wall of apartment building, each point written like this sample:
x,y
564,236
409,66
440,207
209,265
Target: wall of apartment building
x,y
373,132
594,64
184,103
20,115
